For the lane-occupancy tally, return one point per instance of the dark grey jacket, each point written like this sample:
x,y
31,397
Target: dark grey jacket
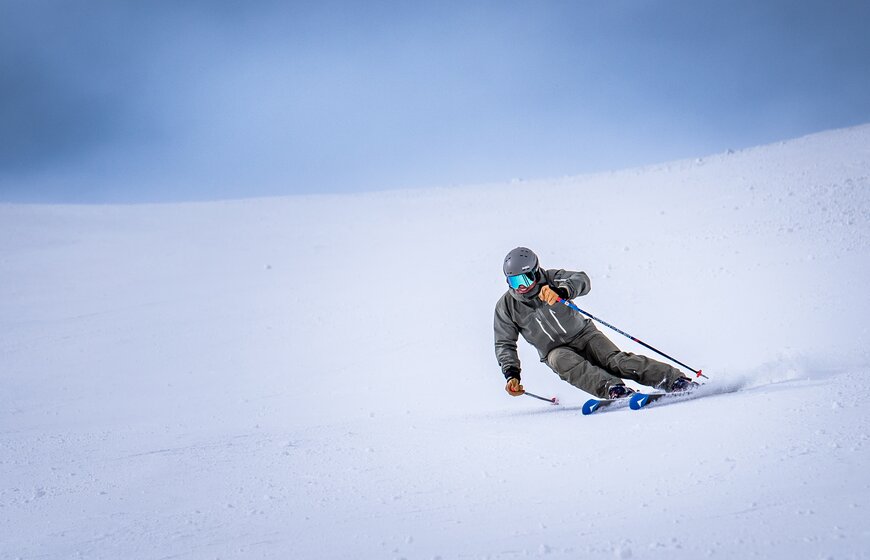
x,y
543,326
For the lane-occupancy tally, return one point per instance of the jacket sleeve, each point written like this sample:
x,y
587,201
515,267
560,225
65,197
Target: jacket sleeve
x,y
506,335
574,284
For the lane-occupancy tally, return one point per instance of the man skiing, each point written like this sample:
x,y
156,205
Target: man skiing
x,y
568,342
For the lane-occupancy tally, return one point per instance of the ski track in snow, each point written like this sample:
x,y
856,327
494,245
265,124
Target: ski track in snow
x,y
173,387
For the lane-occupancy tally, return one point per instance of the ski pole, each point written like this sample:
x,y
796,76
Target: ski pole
x,y
552,400
697,372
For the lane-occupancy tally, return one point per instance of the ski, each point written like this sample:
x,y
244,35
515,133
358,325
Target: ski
x,y
640,400
635,401
593,405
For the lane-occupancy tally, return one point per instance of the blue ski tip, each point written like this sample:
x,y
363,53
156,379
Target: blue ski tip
x,y
638,401
590,406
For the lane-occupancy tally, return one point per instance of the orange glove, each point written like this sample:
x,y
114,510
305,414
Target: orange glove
x,y
514,388
548,296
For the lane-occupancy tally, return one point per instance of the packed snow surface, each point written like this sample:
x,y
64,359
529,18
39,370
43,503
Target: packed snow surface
x,y
314,377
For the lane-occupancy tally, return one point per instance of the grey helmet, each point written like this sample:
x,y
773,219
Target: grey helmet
x,y
520,261
522,273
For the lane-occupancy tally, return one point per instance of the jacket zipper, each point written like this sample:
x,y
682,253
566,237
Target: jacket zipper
x,y
549,324
540,324
553,313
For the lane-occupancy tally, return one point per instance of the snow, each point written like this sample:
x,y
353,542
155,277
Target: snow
x,y
313,377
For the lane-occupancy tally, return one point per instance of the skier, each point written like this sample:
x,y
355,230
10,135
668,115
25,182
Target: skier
x,y
568,342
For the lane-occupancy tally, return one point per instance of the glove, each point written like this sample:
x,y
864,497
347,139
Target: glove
x,y
548,295
514,388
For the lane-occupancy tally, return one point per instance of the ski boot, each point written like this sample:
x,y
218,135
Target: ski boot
x,y
619,392
683,384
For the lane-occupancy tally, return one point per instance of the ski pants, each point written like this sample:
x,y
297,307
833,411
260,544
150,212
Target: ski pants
x,y
593,363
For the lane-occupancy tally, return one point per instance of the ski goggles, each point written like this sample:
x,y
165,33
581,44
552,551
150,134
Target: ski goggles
x,y
518,281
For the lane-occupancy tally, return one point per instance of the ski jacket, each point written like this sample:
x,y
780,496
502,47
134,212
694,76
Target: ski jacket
x,y
543,326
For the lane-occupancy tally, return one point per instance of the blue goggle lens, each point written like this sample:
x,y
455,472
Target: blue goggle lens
x,y
518,281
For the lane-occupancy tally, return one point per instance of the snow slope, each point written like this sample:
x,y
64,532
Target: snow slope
x,y
313,377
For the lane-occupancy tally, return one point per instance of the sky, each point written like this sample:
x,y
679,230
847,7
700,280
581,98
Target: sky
x,y
112,101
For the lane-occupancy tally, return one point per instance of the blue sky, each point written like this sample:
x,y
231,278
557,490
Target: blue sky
x,y
112,101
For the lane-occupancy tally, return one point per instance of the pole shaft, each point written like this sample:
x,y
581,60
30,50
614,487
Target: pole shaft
x,y
625,334
551,401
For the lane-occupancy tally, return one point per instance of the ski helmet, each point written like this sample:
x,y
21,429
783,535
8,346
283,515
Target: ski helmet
x,y
520,261
521,269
